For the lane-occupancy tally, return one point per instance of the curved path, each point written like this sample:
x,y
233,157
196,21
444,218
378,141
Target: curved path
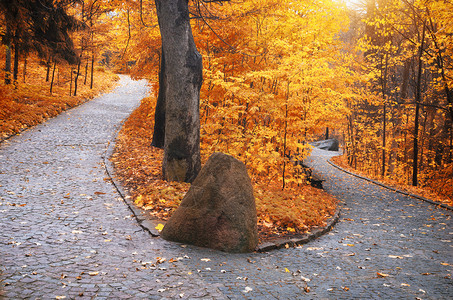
x,y
65,233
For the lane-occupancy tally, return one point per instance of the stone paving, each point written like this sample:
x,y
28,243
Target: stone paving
x,y
66,233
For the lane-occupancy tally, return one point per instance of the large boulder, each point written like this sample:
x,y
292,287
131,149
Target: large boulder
x,y
219,209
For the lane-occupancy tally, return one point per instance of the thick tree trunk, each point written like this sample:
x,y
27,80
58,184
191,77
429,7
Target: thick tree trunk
x,y
183,68
159,115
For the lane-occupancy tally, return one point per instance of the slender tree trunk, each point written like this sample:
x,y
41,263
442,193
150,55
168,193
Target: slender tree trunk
x,y
384,129
70,85
53,76
16,62
417,110
86,72
8,59
48,65
183,68
159,115
284,137
77,76
24,73
92,71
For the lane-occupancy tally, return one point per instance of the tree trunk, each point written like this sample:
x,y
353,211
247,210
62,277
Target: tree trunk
x,y
16,62
53,76
8,60
92,70
159,115
183,68
86,71
417,111
24,73
48,65
70,84
77,76
384,125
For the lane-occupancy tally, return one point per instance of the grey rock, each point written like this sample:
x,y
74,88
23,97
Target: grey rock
x,y
219,209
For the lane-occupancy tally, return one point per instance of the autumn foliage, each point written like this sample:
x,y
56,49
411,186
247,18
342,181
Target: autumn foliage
x,y
138,165
400,124
276,75
24,105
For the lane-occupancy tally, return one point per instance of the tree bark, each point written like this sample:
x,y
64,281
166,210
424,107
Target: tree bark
x,y
70,84
8,59
48,65
159,115
92,70
16,62
417,110
77,76
53,76
183,68
86,71
24,73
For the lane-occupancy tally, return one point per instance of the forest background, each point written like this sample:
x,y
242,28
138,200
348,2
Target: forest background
x,y
276,75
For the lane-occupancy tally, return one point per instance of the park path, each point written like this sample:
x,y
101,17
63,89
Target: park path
x,y
66,233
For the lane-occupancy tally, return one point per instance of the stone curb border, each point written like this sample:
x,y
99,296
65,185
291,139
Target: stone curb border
x,y
302,239
149,224
448,207
143,219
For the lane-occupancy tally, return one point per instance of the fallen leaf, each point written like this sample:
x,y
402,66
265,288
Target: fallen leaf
x,y
395,256
159,227
286,270
382,275
405,284
93,273
247,289
205,259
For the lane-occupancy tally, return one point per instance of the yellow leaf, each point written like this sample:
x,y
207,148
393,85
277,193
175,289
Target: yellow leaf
x,y
159,227
286,270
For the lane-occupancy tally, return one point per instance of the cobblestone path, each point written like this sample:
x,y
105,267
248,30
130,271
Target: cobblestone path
x,y
65,233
